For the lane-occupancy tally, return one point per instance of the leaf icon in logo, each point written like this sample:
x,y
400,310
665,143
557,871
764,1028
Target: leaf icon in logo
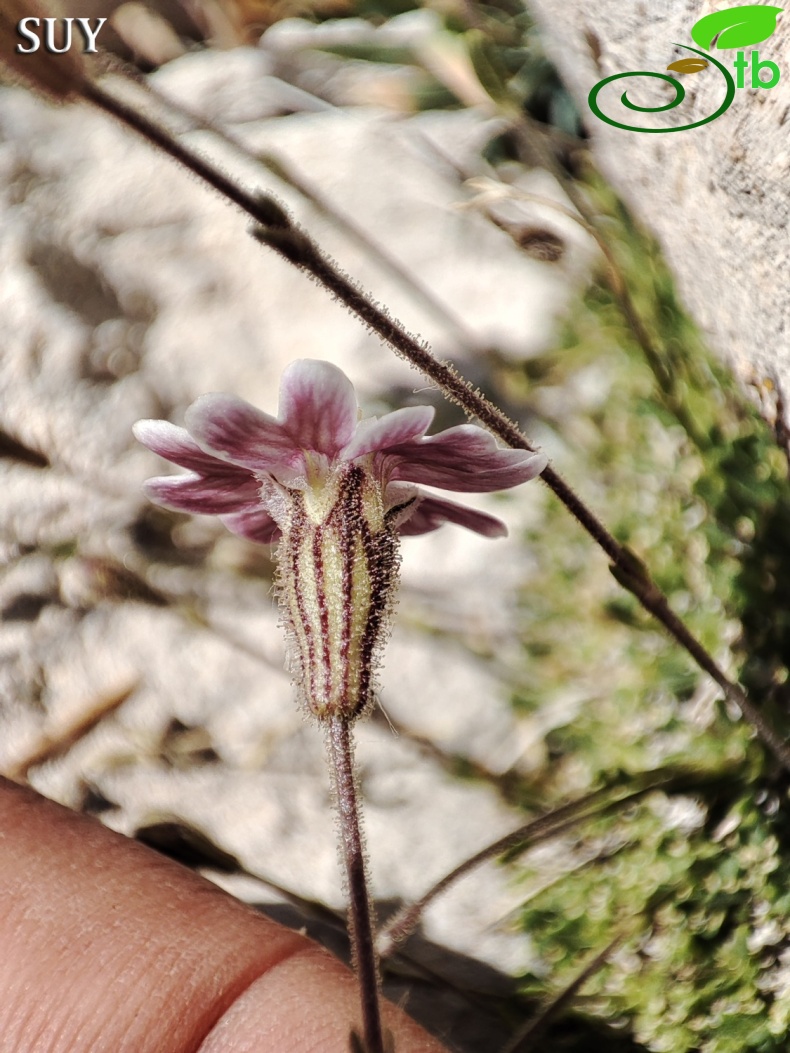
x,y
737,27
688,65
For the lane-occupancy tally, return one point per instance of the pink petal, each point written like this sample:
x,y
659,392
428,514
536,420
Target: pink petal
x,y
400,426
237,432
202,495
433,512
174,444
465,458
318,407
254,524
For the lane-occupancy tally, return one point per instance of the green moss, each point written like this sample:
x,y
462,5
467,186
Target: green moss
x,y
680,465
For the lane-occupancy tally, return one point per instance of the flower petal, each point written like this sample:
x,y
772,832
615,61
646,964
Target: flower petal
x,y
237,432
203,495
174,444
318,407
399,426
433,512
465,458
255,524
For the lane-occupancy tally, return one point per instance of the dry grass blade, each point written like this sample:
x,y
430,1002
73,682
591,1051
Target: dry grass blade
x,y
595,805
536,1028
56,743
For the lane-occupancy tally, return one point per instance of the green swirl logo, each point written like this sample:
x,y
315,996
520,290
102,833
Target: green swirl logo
x,y
680,94
737,27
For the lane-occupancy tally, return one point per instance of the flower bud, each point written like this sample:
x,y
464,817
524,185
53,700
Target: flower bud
x,y
337,572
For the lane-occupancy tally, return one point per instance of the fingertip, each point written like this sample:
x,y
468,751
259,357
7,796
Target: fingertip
x,y
109,946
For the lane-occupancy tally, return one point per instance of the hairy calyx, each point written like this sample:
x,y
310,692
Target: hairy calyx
x,y
338,570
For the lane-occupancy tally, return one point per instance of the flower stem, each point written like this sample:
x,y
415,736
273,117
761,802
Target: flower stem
x,y
341,755
278,232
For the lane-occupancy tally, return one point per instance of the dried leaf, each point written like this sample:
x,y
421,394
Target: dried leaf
x,y
14,450
54,743
539,243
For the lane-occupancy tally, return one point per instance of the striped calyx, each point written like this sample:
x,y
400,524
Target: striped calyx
x,y
337,573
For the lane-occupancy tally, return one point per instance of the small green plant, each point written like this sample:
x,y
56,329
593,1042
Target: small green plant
x,y
691,477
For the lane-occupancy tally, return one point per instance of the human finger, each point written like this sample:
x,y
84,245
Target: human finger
x,y
111,948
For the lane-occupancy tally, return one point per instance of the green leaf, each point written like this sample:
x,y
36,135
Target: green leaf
x,y
488,66
737,27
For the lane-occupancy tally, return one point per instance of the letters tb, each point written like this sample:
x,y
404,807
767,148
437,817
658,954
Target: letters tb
x,y
27,28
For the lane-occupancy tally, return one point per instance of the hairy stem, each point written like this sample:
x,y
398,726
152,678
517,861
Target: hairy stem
x,y
341,754
280,233
352,230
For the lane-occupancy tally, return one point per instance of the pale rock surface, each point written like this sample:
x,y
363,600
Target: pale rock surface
x,y
717,196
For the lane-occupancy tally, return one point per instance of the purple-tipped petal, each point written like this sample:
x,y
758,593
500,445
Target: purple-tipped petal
x,y
466,459
174,444
237,432
201,495
241,462
318,407
433,512
254,524
400,426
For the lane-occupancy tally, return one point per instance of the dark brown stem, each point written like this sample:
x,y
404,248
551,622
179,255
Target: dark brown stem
x,y
341,755
629,571
163,139
278,232
282,171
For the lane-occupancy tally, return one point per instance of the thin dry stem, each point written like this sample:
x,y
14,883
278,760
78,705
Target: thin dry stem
x,y
594,805
537,1027
283,171
278,232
